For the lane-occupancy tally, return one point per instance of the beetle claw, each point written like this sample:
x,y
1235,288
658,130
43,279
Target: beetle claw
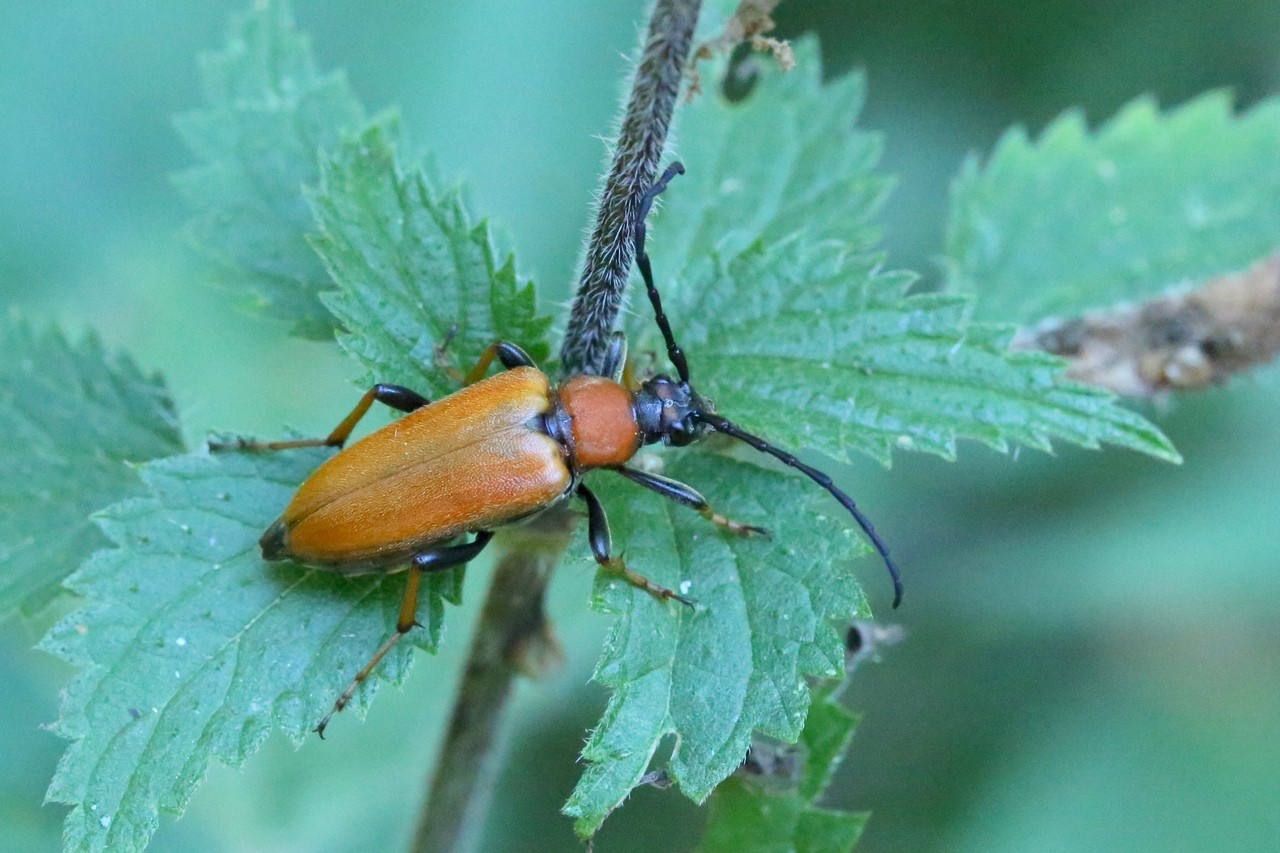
x,y
223,445
639,581
687,602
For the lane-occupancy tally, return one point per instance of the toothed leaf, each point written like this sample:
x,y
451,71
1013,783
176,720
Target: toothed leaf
x,y
74,417
193,648
759,812
415,273
269,116
1081,219
768,614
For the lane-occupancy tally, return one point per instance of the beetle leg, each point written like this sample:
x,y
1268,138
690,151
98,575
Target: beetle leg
x,y
601,548
452,555
395,396
428,561
508,353
690,497
440,356
615,358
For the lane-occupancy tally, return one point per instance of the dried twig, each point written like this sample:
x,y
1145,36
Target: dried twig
x,y
1178,342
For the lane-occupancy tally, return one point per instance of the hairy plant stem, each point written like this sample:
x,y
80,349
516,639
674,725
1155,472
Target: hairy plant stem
x,y
635,162
513,635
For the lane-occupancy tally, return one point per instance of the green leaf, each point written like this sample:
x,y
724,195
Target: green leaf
x,y
73,417
268,116
791,326
193,648
1081,219
880,370
767,615
414,270
765,814
787,161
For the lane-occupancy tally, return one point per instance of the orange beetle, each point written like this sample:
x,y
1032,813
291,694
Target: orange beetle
x,y
498,451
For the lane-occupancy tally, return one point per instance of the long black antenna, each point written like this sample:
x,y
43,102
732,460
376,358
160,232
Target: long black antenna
x,y
719,424
674,353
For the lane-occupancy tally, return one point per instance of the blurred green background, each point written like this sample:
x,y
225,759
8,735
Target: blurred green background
x,y
1092,660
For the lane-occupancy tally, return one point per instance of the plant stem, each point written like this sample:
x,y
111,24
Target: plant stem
x,y
513,635
635,162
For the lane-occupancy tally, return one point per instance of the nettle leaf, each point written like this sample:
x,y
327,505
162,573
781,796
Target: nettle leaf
x,y
73,416
768,613
414,271
268,116
777,813
786,161
1080,219
880,370
193,648
778,298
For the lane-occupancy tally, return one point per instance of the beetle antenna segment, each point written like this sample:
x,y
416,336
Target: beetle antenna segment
x,y
646,271
719,424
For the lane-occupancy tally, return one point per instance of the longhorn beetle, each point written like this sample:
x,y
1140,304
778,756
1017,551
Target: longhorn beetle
x,y
500,450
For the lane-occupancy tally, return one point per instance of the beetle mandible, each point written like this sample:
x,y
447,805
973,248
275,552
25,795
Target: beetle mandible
x,y
497,451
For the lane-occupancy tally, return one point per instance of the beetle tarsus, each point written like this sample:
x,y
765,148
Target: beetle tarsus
x,y
618,566
602,550
364,673
687,495
725,426
674,352
433,560
239,444
440,356
735,527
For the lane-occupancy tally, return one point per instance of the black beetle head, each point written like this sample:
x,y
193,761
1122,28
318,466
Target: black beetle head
x,y
668,411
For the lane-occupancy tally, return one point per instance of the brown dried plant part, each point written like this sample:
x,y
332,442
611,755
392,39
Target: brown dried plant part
x,y
749,23
1178,342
